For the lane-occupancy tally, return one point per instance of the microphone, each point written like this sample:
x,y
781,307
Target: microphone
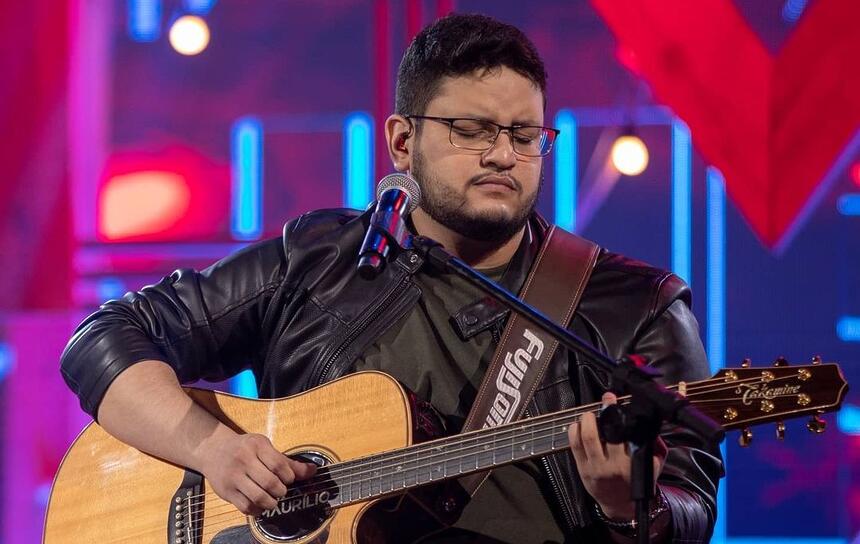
x,y
397,195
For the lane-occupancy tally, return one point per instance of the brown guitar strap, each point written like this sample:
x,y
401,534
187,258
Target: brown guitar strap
x,y
554,286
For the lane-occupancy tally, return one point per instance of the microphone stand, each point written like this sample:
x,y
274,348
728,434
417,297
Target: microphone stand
x,y
637,423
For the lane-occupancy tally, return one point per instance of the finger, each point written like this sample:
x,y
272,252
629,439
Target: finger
x,y
302,470
591,442
277,463
259,497
266,480
614,452
574,437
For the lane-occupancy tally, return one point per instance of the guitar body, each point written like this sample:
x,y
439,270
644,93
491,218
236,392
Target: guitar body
x,y
107,492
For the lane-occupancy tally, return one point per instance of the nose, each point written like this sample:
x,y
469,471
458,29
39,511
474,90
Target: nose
x,y
501,153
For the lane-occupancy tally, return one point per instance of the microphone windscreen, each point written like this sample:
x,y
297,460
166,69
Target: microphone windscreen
x,y
404,182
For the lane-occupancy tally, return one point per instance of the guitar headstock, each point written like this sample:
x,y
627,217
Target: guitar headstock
x,y
740,397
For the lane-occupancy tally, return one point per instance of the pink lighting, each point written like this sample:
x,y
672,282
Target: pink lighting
x,y
142,203
855,173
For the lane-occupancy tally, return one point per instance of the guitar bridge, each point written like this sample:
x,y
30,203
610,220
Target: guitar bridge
x,y
186,509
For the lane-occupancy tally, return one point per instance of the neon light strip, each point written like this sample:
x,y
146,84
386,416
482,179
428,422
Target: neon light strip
x,y
244,384
849,204
565,170
681,189
247,184
716,263
716,304
144,20
199,7
358,160
848,328
7,360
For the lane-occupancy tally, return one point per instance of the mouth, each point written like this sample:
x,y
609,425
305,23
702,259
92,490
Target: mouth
x,y
498,182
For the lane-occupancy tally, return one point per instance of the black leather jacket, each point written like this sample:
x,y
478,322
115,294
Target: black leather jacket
x,y
295,311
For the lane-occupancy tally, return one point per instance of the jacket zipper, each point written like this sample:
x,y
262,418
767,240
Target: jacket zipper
x,y
568,518
358,329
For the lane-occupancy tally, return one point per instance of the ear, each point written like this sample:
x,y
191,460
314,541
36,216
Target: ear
x,y
399,136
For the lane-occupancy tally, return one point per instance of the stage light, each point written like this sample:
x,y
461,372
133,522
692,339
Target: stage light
x,y
189,35
629,155
142,203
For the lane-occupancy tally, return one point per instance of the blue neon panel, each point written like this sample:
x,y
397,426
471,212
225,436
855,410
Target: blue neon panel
x,y
565,170
848,419
247,183
682,166
848,328
358,160
144,20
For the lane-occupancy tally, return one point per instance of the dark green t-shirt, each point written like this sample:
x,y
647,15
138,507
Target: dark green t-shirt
x,y
426,355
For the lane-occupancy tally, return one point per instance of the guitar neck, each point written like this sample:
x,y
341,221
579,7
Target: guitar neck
x,y
735,397
397,471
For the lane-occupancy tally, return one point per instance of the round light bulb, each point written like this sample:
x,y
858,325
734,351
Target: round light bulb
x,y
629,155
189,35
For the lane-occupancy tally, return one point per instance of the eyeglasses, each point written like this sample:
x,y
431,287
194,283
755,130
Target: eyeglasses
x,y
481,135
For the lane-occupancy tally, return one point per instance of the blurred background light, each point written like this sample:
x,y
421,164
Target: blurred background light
x,y
629,155
189,35
142,203
198,7
7,360
855,173
247,173
144,20
793,9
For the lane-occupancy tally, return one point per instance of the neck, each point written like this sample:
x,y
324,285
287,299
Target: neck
x,y
475,253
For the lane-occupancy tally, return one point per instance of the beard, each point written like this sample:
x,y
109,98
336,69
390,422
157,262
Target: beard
x,y
448,207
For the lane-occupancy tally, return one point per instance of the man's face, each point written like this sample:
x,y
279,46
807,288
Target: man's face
x,y
483,195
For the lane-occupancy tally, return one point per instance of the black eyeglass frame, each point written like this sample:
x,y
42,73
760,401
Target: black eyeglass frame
x,y
510,128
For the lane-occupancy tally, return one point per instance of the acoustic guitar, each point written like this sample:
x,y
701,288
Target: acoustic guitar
x,y
360,430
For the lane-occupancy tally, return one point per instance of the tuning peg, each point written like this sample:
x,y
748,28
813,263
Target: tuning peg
x,y
745,438
816,360
746,363
780,430
816,424
780,361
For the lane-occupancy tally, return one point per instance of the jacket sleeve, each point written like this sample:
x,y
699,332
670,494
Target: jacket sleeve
x,y
671,343
206,325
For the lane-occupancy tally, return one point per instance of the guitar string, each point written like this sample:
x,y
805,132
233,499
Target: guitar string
x,y
299,490
538,428
512,427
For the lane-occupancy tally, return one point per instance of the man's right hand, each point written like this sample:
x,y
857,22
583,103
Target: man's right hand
x,y
247,471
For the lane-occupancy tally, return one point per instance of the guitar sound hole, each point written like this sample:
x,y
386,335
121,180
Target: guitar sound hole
x,y
304,509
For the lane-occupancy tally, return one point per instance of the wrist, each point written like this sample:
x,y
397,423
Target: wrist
x,y
622,521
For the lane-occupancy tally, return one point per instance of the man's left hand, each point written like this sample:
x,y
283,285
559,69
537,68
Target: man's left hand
x,y
605,468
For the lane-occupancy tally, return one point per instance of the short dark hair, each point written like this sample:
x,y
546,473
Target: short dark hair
x,y
459,44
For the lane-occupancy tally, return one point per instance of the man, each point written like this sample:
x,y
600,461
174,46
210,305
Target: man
x,y
469,127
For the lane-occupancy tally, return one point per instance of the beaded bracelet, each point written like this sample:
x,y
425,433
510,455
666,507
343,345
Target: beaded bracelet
x,y
628,528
